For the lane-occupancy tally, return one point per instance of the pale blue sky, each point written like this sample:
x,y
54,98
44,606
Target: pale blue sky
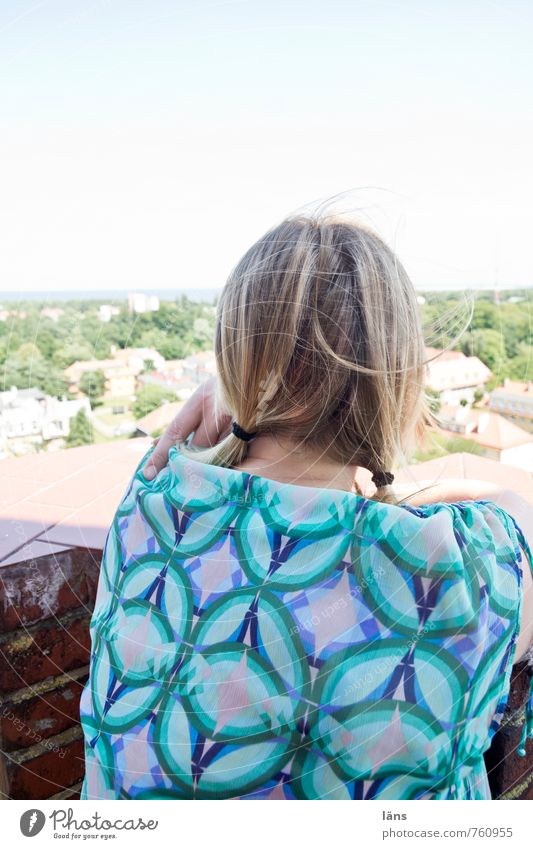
x,y
149,143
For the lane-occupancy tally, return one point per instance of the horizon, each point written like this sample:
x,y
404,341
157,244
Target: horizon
x,y
200,294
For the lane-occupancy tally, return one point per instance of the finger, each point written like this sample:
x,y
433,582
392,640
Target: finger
x,y
183,424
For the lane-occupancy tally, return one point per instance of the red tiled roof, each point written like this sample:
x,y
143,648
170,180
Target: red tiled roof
x,y
441,354
65,498
490,430
515,387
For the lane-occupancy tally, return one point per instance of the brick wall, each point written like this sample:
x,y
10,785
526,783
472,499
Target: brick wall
x,y
45,606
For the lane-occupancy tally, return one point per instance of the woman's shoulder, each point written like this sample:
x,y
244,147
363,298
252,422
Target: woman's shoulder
x,y
482,518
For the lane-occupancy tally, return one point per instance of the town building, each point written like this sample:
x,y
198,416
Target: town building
x,y
120,370
454,375
107,311
120,378
141,358
514,400
29,418
200,366
498,438
138,302
182,376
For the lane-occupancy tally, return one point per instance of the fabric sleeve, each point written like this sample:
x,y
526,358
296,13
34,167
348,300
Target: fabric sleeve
x,y
491,553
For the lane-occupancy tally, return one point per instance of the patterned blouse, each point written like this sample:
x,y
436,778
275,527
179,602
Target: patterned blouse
x,y
259,640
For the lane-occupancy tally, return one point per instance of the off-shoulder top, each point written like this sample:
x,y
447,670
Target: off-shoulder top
x,y
259,640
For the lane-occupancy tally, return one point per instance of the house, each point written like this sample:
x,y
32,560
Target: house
x,y
120,378
140,358
499,438
514,400
29,418
183,387
182,376
454,375
200,366
120,370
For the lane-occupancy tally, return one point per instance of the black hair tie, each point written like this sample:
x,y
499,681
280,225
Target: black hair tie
x,y
382,478
240,433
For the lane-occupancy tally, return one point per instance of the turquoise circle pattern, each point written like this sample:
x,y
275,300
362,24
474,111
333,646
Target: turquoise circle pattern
x,y
260,640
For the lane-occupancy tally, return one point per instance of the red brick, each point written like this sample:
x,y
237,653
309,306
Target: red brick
x,y
31,655
37,589
47,774
41,716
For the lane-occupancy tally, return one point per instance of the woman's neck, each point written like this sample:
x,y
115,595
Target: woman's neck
x,y
287,462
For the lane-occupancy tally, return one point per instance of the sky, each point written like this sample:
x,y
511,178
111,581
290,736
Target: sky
x,y
147,143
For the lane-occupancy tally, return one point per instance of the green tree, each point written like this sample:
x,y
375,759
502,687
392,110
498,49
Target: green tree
x,y
488,345
150,398
521,366
80,431
92,384
72,352
27,368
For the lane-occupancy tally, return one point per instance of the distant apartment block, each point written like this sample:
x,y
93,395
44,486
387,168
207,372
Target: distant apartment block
x,y
138,302
499,438
29,418
454,375
514,400
107,311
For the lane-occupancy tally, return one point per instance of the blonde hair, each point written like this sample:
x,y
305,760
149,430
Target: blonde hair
x,y
318,338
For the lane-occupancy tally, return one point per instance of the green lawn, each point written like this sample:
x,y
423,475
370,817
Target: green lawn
x,y
439,445
105,413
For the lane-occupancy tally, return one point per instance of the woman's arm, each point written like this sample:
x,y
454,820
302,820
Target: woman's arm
x,y
517,507
522,512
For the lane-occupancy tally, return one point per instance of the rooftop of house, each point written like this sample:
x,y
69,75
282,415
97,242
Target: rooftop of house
x,y
64,499
13,397
454,370
442,355
98,365
159,418
50,502
515,387
485,428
